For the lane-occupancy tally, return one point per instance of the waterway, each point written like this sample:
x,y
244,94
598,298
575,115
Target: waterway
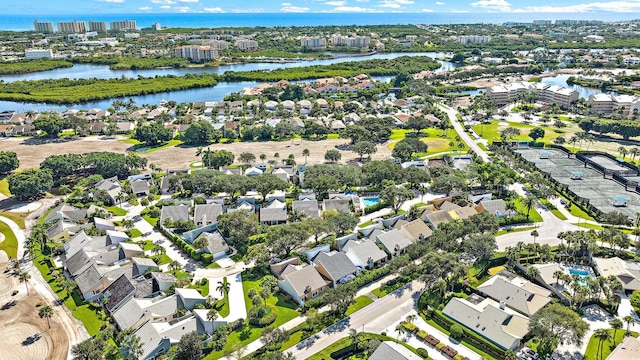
x,y
217,93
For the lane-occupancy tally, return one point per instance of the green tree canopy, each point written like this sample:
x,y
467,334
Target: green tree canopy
x,y
8,161
152,134
30,183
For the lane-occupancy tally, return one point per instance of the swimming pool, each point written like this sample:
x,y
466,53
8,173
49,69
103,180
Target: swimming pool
x,y
582,273
370,201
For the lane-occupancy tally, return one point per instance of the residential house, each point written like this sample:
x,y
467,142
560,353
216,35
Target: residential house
x,y
103,224
517,293
175,213
116,237
629,348
496,207
112,186
274,213
205,214
253,171
364,254
91,283
393,242
77,263
389,350
305,107
188,298
627,272
140,187
415,230
308,207
142,266
129,250
282,174
489,319
216,245
300,282
162,281
335,266
340,205
118,293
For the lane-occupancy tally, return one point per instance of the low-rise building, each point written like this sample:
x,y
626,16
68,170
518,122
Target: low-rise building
x,y
517,293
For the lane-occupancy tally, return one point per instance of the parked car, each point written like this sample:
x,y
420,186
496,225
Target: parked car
x,y
530,353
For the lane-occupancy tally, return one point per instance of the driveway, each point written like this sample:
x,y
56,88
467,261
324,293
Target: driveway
x,y
463,134
597,318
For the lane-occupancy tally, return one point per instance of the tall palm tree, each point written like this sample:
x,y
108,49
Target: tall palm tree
x,y
305,153
200,152
174,265
602,335
558,274
411,318
353,335
223,287
528,203
46,312
629,320
534,234
399,331
212,315
616,324
24,277
532,272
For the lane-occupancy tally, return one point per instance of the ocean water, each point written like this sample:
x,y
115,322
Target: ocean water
x,y
25,22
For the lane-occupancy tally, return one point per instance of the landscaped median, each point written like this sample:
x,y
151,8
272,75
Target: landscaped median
x,y
344,348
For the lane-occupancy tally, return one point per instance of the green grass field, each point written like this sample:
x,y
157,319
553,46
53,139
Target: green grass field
x,y
10,243
151,220
4,187
534,216
518,229
592,352
117,211
17,218
492,131
358,303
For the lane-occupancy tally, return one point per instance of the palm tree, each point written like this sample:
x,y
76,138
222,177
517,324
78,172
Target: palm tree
x,y
305,153
411,318
128,223
46,312
174,265
24,277
629,320
121,197
200,152
263,157
223,287
534,234
528,203
602,335
131,347
558,274
353,335
212,315
616,324
532,272
399,331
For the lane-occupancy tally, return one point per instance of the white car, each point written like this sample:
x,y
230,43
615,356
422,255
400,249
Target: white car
x,y
530,353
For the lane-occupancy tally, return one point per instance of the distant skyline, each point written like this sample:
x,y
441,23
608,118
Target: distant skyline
x,y
88,7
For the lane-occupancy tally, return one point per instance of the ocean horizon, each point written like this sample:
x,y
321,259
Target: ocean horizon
x,y
20,22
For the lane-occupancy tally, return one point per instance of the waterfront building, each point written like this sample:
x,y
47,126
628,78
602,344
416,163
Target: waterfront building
x,y
98,26
351,41
123,25
197,53
43,27
627,105
502,94
216,44
246,45
476,39
33,54
314,42
72,27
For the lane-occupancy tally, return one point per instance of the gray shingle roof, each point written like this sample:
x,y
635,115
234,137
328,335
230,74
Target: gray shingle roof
x,y
392,239
341,205
117,291
365,250
389,350
140,186
305,280
128,314
267,214
336,263
308,207
208,212
88,279
177,212
78,262
216,242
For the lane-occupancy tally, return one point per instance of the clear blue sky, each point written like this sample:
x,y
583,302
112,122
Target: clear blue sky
x,y
42,7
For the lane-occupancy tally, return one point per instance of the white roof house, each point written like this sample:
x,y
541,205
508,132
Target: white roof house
x,y
517,293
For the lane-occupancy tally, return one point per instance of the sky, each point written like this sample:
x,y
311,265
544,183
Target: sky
x,y
41,7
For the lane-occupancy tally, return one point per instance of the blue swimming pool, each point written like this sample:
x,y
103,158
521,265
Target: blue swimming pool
x,y
582,273
370,201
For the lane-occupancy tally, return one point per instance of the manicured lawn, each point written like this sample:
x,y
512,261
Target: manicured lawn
x,y
558,214
45,216
4,187
117,211
338,348
89,318
363,225
592,348
134,233
333,136
285,307
164,259
10,243
16,217
518,229
589,226
577,212
436,139
358,303
398,134
213,265
492,130
533,213
151,220
146,245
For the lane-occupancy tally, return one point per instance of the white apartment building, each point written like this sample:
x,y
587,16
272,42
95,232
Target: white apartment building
x,y
197,53
351,41
72,27
43,27
216,44
476,39
246,45
123,25
313,42
502,94
33,54
98,26
607,104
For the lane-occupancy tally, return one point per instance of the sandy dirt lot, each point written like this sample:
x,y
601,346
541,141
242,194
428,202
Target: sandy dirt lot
x,y
24,334
31,152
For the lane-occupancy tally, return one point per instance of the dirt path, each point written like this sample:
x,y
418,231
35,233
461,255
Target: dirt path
x,y
32,152
24,334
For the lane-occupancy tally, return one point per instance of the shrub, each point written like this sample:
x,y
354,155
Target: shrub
x,y
422,334
456,331
207,259
410,327
440,345
262,316
423,353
